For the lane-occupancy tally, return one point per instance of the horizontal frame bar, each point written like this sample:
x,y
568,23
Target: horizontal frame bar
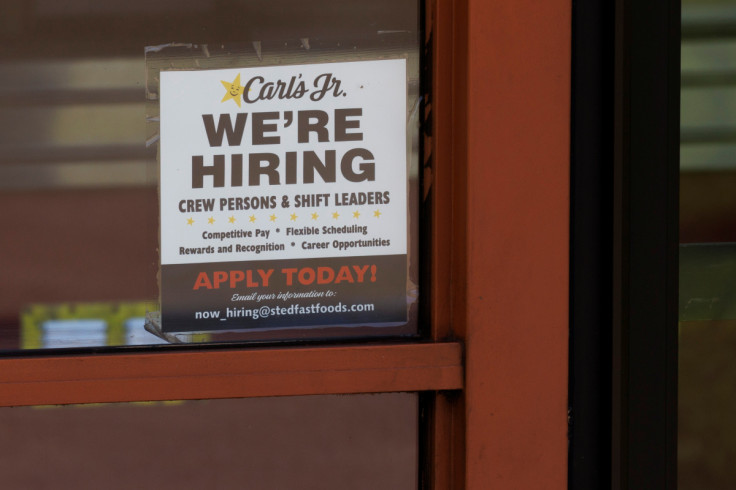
x,y
231,374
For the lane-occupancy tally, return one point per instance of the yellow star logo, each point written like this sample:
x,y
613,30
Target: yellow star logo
x,y
315,216
335,215
272,217
252,218
231,219
356,214
377,213
211,220
190,221
233,90
293,216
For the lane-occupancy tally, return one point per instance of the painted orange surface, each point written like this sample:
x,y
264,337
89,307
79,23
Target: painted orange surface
x,y
231,374
517,243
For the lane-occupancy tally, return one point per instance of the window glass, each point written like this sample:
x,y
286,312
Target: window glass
x,y
79,173
326,442
707,343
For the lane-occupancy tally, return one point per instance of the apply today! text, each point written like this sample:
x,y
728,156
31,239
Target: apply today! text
x,y
305,276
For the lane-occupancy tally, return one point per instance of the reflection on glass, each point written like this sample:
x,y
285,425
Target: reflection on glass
x,y
77,179
707,342
56,326
325,442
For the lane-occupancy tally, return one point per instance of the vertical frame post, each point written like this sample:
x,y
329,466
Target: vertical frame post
x,y
646,181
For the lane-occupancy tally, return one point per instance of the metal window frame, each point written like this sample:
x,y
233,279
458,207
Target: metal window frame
x,y
624,273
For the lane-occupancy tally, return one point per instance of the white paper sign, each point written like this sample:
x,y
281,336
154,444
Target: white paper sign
x,y
281,163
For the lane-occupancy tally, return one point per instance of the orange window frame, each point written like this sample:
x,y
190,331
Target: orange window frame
x,y
496,360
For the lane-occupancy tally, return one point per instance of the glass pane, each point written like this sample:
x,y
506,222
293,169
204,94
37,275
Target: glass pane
x,y
78,162
707,342
326,442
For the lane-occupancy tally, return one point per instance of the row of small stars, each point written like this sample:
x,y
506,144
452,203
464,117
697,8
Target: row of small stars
x,y
292,217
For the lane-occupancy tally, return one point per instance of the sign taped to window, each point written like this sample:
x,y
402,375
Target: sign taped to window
x,y
283,196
